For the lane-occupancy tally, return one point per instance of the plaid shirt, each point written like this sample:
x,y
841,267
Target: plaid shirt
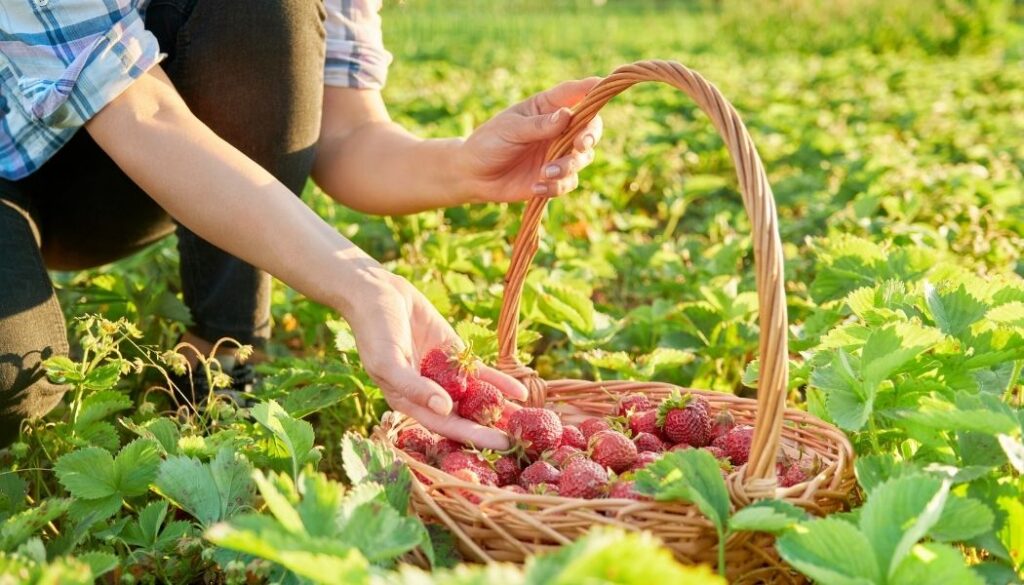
x,y
61,61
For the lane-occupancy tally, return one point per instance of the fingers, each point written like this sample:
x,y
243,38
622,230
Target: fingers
x,y
563,95
527,129
409,385
460,429
508,385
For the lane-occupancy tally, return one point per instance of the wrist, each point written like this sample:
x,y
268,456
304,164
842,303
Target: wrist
x,y
463,184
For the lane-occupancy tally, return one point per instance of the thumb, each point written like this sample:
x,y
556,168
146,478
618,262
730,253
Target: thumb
x,y
419,390
527,129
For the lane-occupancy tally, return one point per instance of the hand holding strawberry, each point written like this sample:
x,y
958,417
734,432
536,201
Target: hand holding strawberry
x,y
395,328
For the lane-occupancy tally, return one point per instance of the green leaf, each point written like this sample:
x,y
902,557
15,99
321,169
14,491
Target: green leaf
x,y
209,492
302,402
830,551
849,403
325,561
772,516
65,571
367,521
103,377
874,469
232,474
1011,534
100,563
321,499
366,460
962,519
61,370
954,310
693,476
598,558
87,473
296,435
12,493
937,561
89,512
282,510
891,347
938,413
898,513
20,527
99,406
161,429
135,467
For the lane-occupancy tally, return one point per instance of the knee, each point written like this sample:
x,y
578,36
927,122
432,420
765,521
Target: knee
x,y
25,390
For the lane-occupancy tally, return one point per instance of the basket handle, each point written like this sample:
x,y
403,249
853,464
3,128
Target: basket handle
x,y
760,206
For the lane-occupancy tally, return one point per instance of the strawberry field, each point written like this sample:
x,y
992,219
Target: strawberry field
x,y
892,136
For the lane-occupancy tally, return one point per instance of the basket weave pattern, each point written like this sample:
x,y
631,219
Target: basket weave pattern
x,y
505,526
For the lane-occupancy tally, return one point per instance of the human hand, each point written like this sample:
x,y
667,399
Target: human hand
x,y
394,327
503,160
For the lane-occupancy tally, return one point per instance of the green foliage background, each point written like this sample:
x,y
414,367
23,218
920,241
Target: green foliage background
x,y
891,131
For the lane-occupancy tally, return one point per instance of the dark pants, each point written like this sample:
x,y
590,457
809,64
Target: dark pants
x,y
253,74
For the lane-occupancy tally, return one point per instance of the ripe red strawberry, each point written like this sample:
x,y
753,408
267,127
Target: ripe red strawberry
x,y
718,452
443,447
539,472
680,447
512,487
633,402
544,489
502,423
465,460
416,439
722,424
450,368
737,444
791,475
534,430
644,459
482,402
583,478
469,475
684,419
507,469
612,449
625,490
644,422
719,442
573,437
648,442
564,454
422,459
593,425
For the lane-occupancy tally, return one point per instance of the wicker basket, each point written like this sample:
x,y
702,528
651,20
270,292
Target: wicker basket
x,y
505,526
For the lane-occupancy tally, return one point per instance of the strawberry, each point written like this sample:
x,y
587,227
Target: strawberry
x,y
790,475
534,430
416,440
422,459
471,476
450,368
684,419
719,442
648,442
644,459
544,489
482,403
644,422
443,447
593,425
717,452
625,490
583,478
564,454
537,473
680,447
502,423
722,424
633,402
573,437
507,468
512,487
737,444
471,461
612,449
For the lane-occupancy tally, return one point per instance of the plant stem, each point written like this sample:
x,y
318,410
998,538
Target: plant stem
x,y
1008,395
721,554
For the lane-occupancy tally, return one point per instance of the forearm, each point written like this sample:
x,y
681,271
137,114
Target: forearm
x,y
367,162
217,192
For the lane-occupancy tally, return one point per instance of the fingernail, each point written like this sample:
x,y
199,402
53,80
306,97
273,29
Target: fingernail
x,y
588,141
556,117
436,403
539,188
551,171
